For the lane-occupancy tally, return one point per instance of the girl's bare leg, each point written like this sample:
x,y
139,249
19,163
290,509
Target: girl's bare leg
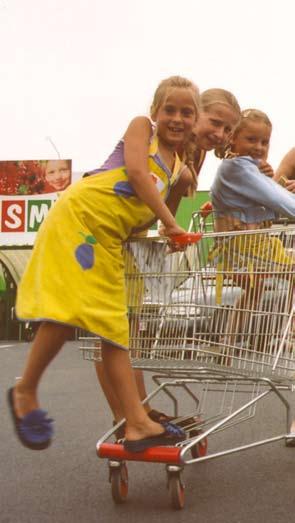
x,y
119,372
113,401
139,378
239,319
48,341
174,198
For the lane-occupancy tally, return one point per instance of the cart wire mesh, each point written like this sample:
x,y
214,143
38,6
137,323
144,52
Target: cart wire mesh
x,y
224,306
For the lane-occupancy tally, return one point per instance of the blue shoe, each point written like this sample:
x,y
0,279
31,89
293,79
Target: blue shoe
x,y
34,430
120,432
170,437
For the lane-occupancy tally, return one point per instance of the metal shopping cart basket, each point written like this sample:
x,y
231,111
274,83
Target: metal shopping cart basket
x,y
214,323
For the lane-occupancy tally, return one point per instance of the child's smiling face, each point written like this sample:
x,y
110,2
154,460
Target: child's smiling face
x,y
252,140
58,174
176,117
214,126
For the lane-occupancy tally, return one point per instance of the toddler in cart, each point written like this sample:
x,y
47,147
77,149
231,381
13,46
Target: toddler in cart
x,y
243,198
86,229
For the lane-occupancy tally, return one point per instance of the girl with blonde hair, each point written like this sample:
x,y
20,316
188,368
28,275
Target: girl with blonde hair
x,y
241,191
244,198
85,229
219,113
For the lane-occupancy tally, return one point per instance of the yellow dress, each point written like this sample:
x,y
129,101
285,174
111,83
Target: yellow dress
x,y
75,274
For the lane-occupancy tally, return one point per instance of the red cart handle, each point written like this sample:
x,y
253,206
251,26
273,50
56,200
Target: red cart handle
x,y
206,209
186,238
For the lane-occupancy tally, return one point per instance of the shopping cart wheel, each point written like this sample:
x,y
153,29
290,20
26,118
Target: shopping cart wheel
x,y
119,481
176,490
200,448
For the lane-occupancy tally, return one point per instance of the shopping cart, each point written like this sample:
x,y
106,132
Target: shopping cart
x,y
201,327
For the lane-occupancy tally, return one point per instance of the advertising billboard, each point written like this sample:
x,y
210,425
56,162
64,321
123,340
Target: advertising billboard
x,y
28,189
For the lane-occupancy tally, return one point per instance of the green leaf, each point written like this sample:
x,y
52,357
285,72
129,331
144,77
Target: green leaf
x,y
91,239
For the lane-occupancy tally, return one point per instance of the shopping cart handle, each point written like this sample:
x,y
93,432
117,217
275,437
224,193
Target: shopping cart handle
x,y
206,209
186,238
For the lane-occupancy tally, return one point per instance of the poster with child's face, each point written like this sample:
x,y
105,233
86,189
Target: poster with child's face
x,y
28,190
34,176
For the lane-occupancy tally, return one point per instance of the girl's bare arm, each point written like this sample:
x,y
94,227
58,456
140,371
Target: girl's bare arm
x,y
290,185
136,150
287,166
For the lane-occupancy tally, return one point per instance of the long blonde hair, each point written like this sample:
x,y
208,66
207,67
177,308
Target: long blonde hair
x,y
219,96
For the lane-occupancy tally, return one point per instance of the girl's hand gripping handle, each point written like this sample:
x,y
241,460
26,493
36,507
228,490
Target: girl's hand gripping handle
x,y
180,241
206,209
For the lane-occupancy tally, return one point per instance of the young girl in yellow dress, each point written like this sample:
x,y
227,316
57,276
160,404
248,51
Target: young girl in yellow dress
x,y
75,277
218,116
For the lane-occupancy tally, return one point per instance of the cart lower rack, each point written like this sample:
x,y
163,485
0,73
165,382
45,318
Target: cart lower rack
x,y
215,323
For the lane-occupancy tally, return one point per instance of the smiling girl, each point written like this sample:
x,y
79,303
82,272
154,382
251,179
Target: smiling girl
x,y
218,116
242,196
86,229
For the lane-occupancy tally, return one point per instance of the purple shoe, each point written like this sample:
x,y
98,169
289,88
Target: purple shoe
x,y
34,430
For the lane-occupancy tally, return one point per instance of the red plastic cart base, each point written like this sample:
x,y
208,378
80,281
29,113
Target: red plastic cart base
x,y
116,451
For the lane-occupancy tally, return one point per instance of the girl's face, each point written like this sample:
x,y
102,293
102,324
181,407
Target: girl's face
x,y
215,126
57,174
176,117
252,140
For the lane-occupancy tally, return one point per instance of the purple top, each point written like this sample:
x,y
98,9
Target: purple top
x,y
115,160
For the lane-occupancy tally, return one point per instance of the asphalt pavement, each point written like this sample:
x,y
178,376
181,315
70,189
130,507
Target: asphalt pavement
x,y
67,483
